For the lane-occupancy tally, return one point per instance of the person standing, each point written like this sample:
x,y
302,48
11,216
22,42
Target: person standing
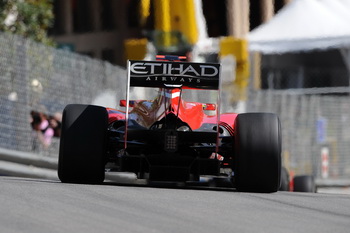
x,y
42,132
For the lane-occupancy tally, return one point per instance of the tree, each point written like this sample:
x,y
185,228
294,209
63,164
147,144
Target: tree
x,y
28,18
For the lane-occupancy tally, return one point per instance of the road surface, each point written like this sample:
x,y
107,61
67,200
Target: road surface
x,y
34,205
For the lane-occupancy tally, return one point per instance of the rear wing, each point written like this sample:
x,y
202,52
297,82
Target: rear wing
x,y
173,74
167,74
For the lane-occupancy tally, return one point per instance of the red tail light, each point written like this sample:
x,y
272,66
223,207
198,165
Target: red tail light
x,y
211,107
170,58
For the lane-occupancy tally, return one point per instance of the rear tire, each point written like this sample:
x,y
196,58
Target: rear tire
x,y
304,183
258,152
83,144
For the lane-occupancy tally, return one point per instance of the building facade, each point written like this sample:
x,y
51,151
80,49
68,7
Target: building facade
x,y
98,28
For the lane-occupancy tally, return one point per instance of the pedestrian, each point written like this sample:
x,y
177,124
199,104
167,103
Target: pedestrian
x,y
42,131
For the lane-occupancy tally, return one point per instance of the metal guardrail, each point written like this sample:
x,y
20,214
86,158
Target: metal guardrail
x,y
23,164
29,165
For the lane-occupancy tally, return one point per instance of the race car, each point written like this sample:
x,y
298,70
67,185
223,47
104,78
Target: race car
x,y
170,139
298,183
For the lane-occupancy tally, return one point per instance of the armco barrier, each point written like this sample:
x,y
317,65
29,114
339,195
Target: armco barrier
x,y
22,164
28,159
29,165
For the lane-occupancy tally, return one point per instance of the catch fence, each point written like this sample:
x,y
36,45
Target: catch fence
x,y
34,77
315,128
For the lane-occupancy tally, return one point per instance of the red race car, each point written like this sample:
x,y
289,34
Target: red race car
x,y
168,138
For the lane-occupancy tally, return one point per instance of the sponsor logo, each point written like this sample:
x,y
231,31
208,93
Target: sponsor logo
x,y
182,69
173,79
158,74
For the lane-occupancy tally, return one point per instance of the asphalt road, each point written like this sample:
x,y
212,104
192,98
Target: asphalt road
x,y
30,205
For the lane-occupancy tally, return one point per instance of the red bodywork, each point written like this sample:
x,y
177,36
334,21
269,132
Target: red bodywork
x,y
169,101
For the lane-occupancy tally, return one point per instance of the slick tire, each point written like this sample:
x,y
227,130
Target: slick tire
x,y
83,144
304,183
257,152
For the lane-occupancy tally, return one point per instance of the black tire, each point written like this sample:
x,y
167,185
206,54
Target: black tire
x,y
304,183
83,144
257,152
284,180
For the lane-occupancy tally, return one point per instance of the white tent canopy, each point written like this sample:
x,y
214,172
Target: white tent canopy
x,y
304,25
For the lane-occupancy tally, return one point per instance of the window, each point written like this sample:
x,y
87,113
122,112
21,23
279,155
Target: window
x,y
254,14
215,17
278,5
57,27
133,13
107,15
81,16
